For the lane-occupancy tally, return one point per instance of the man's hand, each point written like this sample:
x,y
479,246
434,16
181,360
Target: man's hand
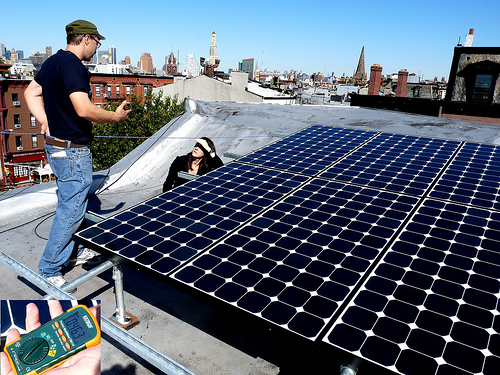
x,y
121,112
44,129
89,111
86,362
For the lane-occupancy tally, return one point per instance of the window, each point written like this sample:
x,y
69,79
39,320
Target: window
x,y
32,121
17,121
34,141
20,171
416,91
117,90
482,87
128,90
15,99
480,79
97,91
19,143
109,90
145,90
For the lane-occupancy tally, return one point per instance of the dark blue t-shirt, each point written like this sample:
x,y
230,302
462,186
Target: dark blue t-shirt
x,y
59,76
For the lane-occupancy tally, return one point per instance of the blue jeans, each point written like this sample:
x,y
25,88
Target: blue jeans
x,y
73,170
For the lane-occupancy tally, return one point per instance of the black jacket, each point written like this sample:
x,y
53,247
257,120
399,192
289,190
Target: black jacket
x,y
180,164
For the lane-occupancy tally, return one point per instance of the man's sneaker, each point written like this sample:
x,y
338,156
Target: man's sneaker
x,y
86,256
59,281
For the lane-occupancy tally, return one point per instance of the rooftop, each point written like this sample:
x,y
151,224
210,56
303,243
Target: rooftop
x,y
202,336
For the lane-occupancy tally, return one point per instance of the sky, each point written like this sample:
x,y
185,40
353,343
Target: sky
x,y
324,36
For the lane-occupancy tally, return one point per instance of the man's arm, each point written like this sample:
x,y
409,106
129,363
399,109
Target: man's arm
x,y
34,99
85,109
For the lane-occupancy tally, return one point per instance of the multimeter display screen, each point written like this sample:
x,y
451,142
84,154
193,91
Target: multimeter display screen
x,y
77,328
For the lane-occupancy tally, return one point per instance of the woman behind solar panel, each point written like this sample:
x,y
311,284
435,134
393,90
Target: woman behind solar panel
x,y
202,159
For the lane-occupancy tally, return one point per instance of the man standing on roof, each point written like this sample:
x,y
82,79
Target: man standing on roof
x,y
59,98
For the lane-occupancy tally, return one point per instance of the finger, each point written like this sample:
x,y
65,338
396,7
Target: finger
x,y
32,317
12,335
55,308
5,367
96,311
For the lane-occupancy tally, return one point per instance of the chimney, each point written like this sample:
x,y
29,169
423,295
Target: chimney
x,y
375,79
469,39
402,81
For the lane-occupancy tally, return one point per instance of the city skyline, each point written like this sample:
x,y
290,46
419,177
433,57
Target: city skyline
x,y
282,36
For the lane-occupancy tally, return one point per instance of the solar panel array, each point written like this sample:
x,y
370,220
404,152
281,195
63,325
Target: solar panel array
x,y
382,245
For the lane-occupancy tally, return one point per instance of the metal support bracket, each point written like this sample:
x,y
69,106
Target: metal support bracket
x,y
346,369
121,316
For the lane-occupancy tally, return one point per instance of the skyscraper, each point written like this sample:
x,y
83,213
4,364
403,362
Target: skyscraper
x,y
213,50
192,67
146,63
112,54
247,66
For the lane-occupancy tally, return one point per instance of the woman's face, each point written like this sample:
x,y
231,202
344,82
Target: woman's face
x,y
197,151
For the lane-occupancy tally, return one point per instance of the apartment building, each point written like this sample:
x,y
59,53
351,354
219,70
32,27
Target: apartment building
x,y
22,145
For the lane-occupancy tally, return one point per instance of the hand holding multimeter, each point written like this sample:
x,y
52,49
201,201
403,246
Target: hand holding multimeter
x,y
68,344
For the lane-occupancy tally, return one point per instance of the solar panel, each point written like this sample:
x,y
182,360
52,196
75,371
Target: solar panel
x,y
432,304
295,264
472,177
310,150
399,163
381,245
160,234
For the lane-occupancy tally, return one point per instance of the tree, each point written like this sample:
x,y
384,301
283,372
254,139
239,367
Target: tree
x,y
113,141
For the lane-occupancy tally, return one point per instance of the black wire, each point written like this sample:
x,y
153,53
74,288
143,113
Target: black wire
x,y
135,161
95,194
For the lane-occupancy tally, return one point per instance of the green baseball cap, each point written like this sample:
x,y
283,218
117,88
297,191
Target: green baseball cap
x,y
82,27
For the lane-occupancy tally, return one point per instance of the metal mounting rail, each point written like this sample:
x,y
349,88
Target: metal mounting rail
x,y
143,350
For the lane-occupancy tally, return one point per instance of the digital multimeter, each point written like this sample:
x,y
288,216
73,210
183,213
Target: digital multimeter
x,y
54,342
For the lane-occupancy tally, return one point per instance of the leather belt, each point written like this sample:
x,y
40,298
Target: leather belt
x,y
63,144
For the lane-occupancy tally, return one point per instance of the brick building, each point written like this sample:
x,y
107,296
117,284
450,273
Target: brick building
x,y
22,146
106,87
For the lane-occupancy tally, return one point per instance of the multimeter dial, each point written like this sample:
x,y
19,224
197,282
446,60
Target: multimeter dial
x,y
33,350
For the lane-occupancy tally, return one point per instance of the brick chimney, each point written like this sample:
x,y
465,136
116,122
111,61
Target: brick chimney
x,y
375,79
402,81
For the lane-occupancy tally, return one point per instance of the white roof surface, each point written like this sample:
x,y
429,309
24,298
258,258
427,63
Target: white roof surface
x,y
199,336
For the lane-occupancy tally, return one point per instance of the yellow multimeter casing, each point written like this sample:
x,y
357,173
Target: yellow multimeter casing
x,y
54,342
